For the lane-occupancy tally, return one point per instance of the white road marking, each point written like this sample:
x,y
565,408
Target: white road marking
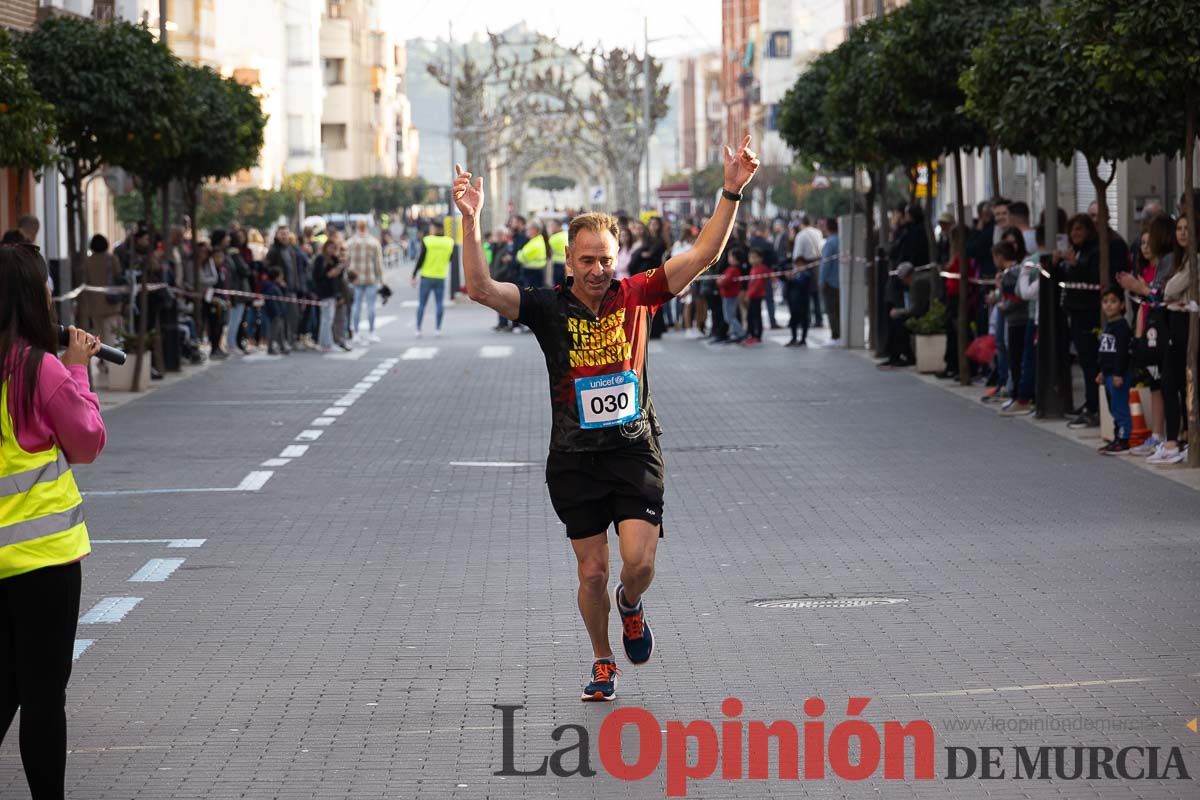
x,y
372,378
109,610
276,462
294,451
419,353
323,421
156,570
261,357
656,347
495,351
333,411
308,436
491,463
382,321
1027,688
352,355
81,646
188,490
345,401
388,363
361,386
254,481
169,542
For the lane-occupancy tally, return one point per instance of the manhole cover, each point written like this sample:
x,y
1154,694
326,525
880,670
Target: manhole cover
x,y
827,602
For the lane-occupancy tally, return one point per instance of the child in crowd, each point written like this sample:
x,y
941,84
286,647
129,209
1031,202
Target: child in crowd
x,y
756,293
1015,311
273,288
1115,369
730,287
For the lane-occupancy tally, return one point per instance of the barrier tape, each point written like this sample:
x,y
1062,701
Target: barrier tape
x,y
154,287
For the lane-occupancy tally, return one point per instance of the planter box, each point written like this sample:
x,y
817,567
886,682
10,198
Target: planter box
x,y
120,376
931,353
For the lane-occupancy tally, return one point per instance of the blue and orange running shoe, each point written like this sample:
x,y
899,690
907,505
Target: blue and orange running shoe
x,y
603,686
635,634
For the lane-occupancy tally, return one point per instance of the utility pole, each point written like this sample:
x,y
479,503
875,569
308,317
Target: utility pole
x,y
646,107
454,258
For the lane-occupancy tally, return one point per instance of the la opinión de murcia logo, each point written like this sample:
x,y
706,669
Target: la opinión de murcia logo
x,y
737,749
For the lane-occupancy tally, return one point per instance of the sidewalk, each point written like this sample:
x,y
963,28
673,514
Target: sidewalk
x,y
1086,437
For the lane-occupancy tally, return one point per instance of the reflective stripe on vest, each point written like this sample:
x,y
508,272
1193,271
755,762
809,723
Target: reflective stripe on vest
x,y
41,511
438,250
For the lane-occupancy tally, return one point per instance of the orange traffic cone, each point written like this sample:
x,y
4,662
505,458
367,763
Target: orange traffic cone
x,y
1140,432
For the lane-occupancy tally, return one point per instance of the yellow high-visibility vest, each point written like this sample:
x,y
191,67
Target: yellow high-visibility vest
x,y
41,511
558,247
533,254
438,250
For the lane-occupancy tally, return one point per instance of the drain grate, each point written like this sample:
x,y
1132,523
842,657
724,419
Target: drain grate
x,y
827,602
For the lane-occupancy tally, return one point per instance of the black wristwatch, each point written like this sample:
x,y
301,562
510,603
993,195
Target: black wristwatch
x,y
728,195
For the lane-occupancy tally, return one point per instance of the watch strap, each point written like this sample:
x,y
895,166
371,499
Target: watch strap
x,y
728,195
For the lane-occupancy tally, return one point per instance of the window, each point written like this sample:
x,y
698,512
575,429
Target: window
x,y
335,71
333,136
779,44
773,117
333,9
298,46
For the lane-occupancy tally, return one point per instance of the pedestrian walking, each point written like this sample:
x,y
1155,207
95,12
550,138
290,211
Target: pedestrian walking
x,y
433,265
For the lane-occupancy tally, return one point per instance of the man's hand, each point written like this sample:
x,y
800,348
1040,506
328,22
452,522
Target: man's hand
x,y
1100,379
740,166
1118,381
467,196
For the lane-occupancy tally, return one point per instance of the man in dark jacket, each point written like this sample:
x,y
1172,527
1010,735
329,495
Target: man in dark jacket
x,y
282,255
920,292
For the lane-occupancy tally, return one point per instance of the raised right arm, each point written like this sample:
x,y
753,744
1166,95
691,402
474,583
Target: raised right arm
x,y
504,298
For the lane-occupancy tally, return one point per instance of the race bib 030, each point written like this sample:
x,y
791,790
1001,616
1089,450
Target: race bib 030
x,y
607,400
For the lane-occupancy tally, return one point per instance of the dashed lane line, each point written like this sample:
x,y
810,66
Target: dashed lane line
x,y
276,462
321,422
255,481
81,646
308,435
156,570
109,610
293,451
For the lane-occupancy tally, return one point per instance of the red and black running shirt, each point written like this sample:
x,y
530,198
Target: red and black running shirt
x,y
579,344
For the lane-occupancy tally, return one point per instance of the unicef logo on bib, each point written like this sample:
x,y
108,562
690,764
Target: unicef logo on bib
x,y
605,401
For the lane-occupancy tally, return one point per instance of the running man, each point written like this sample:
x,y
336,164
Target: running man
x,y
604,464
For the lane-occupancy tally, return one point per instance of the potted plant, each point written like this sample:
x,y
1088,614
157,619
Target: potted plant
x,y
929,331
120,376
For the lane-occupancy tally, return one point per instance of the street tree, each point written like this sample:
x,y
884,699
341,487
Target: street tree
x,y
222,131
26,120
110,85
1026,71
1151,48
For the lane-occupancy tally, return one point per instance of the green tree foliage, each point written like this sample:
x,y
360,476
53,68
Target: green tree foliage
x,y
1049,103
26,121
113,91
222,126
1152,47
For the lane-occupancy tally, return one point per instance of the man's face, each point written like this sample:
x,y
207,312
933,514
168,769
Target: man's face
x,y
822,227
1001,215
281,235
591,259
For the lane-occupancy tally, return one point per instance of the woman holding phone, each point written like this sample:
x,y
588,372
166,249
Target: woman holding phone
x,y
49,419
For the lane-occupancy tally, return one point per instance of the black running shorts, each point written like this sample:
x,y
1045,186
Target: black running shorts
x,y
591,491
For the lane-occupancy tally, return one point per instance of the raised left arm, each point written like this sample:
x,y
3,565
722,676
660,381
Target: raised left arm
x,y
682,269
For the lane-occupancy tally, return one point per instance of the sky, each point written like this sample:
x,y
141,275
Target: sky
x,y
683,26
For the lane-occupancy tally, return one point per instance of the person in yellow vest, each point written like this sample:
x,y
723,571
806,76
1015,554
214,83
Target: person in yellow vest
x,y
49,419
433,265
558,251
533,257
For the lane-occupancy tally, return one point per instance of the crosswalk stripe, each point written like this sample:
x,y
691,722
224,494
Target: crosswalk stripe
x,y
495,351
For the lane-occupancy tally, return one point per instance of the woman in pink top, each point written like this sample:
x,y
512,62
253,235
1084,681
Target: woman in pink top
x,y
42,535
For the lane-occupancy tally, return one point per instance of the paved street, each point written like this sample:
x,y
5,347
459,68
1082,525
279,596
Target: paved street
x,y
358,560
